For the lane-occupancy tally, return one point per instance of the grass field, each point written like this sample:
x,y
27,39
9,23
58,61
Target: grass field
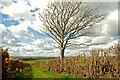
x,y
33,60
40,72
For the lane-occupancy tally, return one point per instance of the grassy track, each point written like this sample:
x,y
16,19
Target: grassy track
x,y
39,72
42,73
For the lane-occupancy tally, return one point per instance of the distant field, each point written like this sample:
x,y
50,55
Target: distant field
x,y
36,60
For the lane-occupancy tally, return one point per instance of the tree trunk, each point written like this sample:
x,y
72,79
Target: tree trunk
x,y
62,54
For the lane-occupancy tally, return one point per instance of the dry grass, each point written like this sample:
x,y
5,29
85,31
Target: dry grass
x,y
102,63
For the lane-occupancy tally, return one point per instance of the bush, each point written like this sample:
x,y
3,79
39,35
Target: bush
x,y
11,66
101,63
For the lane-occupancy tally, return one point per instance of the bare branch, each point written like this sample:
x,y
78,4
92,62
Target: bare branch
x,y
69,20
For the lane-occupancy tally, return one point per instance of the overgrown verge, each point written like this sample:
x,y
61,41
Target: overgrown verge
x,y
102,63
11,66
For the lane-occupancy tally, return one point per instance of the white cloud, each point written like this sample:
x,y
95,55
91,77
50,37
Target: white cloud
x,y
2,28
39,47
37,24
43,43
22,10
101,40
29,47
39,3
5,3
42,47
103,45
39,42
19,10
110,27
83,39
113,15
21,30
7,38
5,33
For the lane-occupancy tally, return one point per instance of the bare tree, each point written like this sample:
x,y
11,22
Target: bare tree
x,y
65,21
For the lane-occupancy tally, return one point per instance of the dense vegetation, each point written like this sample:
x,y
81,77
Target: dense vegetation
x,y
102,63
11,66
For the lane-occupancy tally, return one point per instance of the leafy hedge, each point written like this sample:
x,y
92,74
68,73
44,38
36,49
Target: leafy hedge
x,y
11,66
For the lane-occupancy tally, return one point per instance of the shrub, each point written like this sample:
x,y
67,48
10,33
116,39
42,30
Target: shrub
x,y
101,63
11,66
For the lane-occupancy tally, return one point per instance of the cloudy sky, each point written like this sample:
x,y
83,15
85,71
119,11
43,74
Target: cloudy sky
x,y
20,29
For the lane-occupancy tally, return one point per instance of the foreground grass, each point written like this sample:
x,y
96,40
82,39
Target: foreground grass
x,y
37,71
25,74
40,72
43,73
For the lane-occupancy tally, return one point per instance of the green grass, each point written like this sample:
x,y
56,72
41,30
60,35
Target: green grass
x,y
43,73
39,72
33,61
25,74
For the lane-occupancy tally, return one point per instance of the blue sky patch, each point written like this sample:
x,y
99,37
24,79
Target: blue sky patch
x,y
25,40
37,35
5,19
